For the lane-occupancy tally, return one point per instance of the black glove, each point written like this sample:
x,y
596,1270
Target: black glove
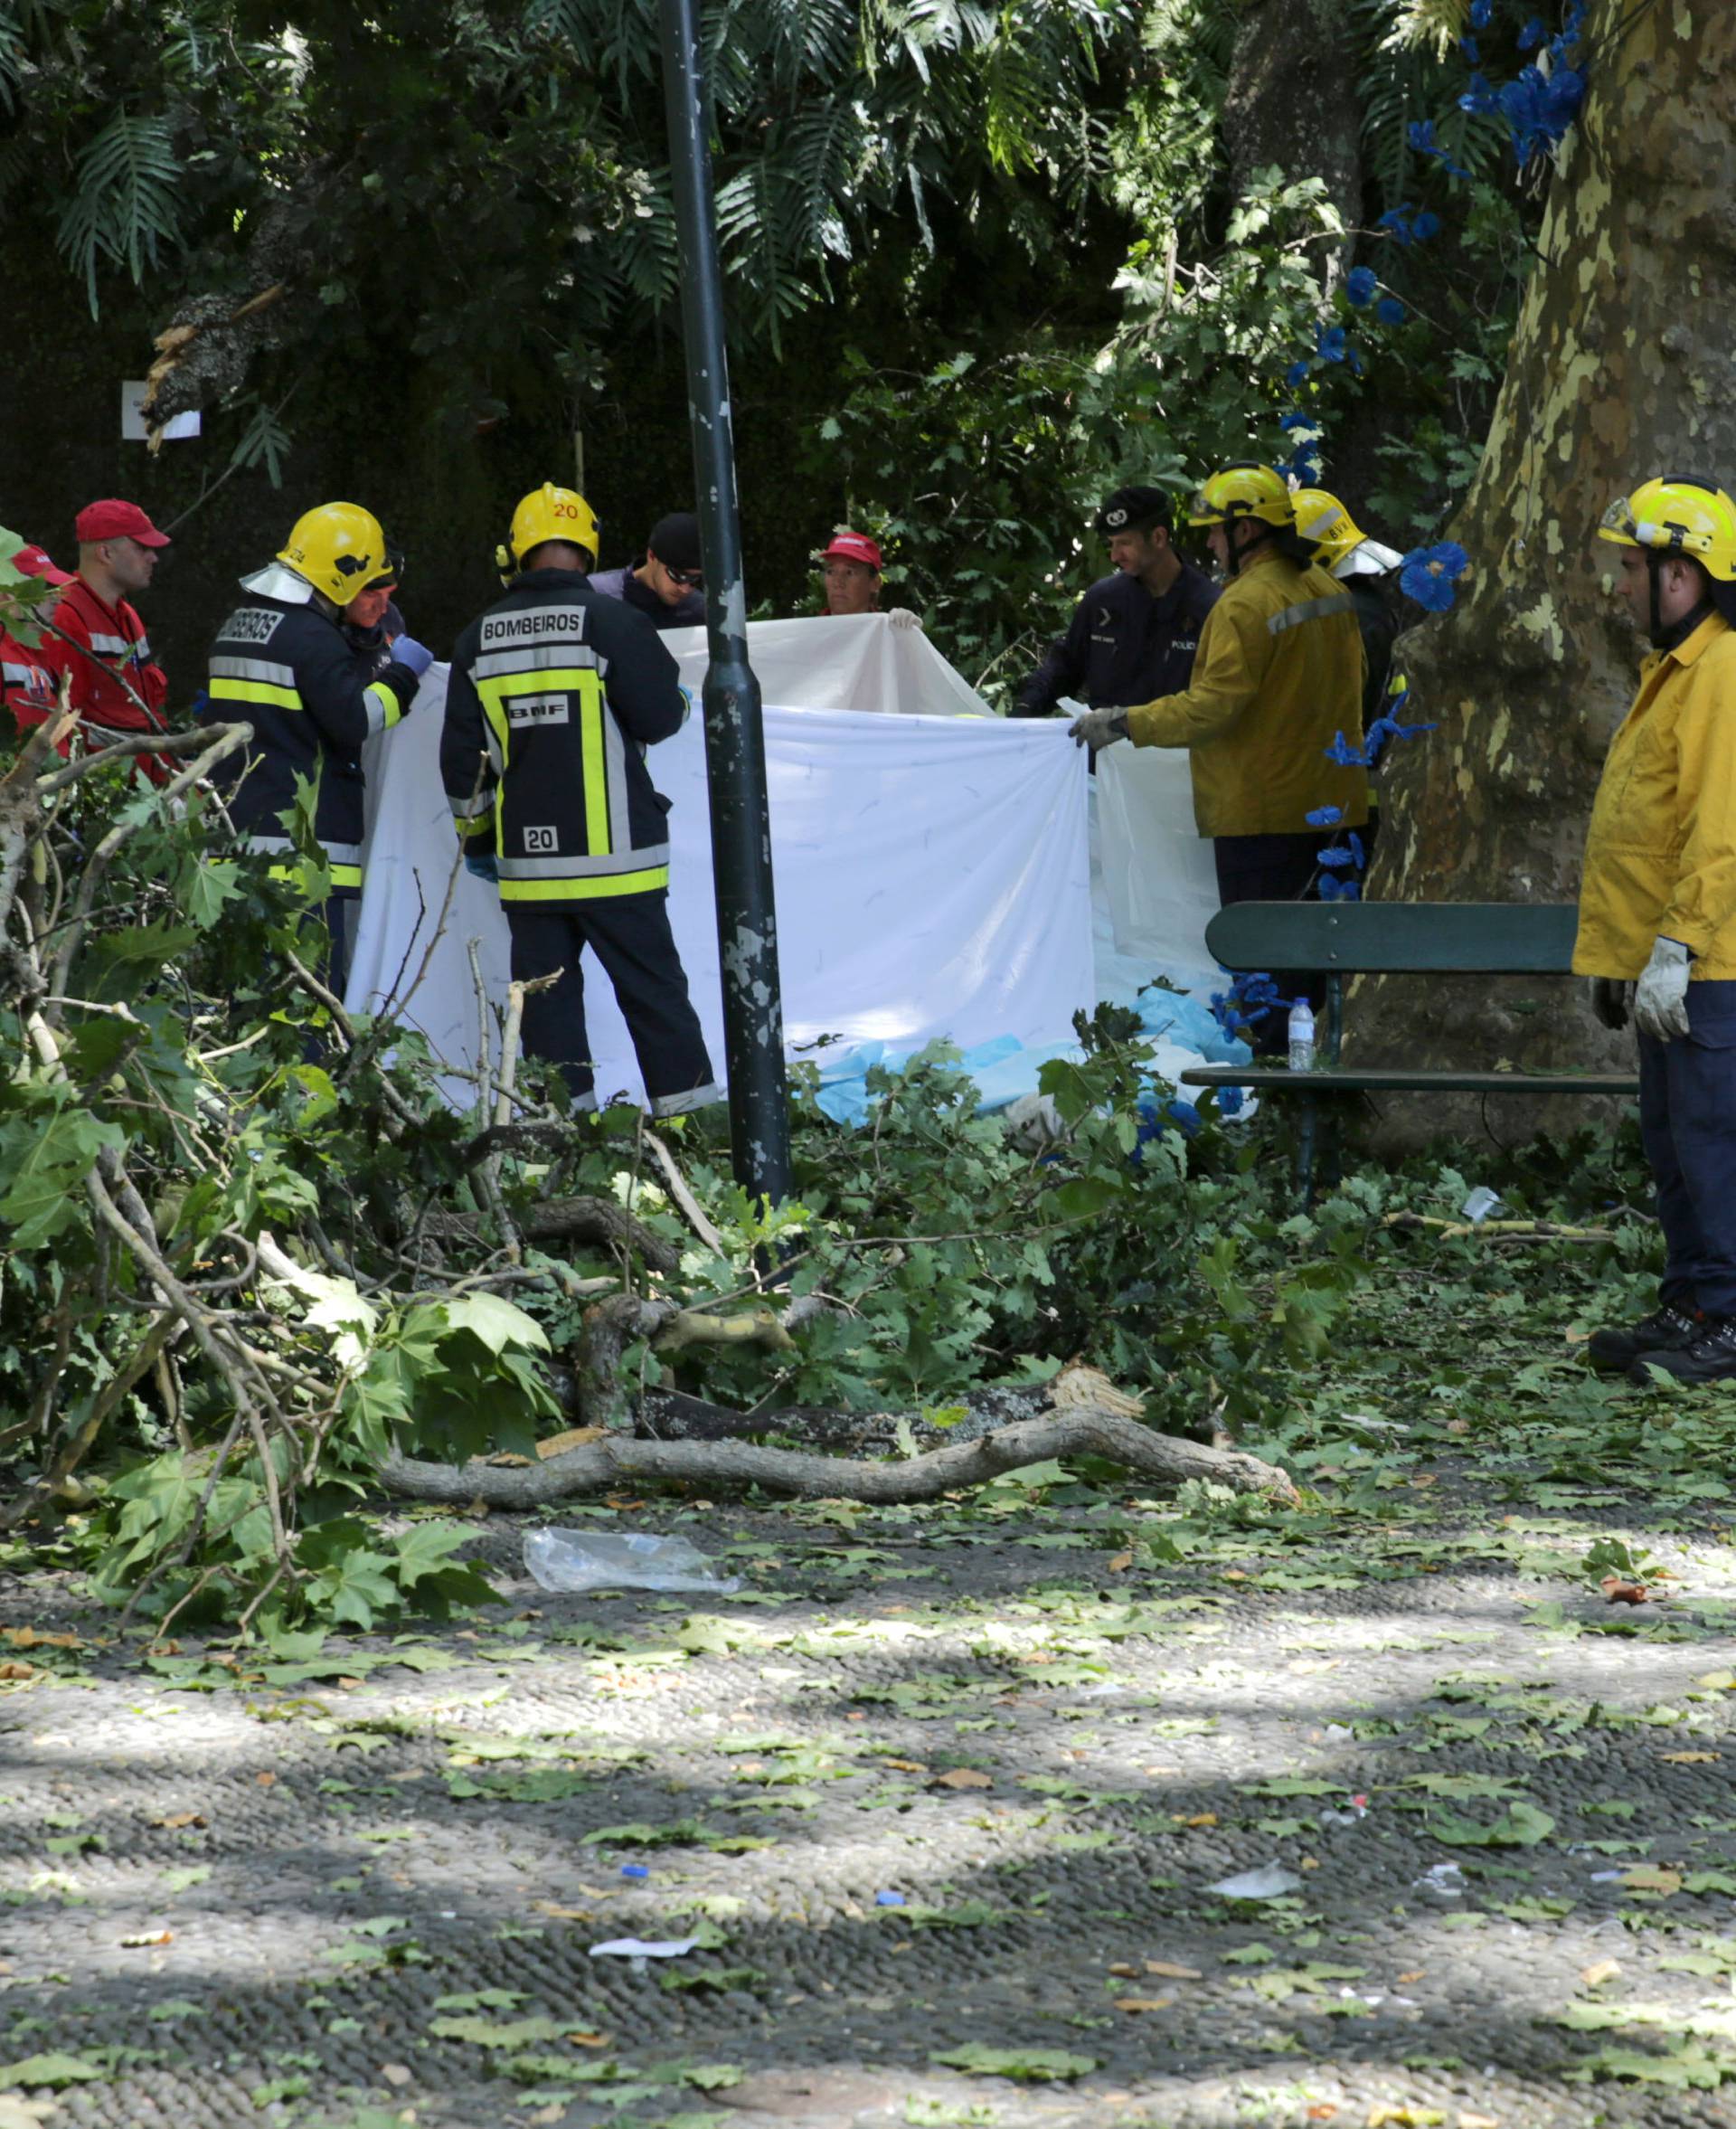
x,y
1609,1000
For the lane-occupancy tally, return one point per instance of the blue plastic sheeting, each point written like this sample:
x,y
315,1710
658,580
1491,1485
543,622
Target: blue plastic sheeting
x,y
1003,1068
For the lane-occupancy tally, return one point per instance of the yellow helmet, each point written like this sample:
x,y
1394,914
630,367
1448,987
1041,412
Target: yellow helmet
x,y
1245,489
1678,515
1325,524
339,549
549,512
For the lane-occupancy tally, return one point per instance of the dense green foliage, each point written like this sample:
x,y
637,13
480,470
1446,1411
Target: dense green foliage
x,y
250,1250
982,260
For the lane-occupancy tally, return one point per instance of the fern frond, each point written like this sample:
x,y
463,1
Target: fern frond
x,y
126,200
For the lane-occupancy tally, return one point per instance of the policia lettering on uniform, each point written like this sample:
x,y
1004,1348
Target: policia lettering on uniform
x,y
555,695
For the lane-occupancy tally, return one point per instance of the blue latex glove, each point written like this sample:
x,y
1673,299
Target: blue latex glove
x,y
416,657
485,868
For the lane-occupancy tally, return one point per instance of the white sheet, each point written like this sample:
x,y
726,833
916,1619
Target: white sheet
x,y
857,662
1158,876
931,876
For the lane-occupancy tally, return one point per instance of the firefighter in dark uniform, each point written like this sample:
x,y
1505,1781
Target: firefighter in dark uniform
x,y
555,694
283,664
1134,634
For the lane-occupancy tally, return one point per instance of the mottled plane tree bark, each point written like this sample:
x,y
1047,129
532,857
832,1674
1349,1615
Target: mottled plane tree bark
x,y
1621,368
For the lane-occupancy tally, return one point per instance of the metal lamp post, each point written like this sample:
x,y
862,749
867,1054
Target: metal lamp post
x,y
735,749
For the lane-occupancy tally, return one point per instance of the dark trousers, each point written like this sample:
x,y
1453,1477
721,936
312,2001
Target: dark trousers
x,y
1688,1123
1271,868
340,912
629,934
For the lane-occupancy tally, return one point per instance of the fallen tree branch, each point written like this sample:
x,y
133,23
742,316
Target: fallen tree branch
x,y
568,1219
1506,1230
691,1211
715,1466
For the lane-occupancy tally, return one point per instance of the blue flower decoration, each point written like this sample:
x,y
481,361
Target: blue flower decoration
x,y
1384,730
1390,311
1250,998
1296,423
1425,578
1353,362
1533,35
1468,46
1426,225
1325,817
1539,107
1306,468
1329,343
1337,890
1345,755
1298,374
1229,1100
1398,219
1362,282
1481,10
1479,98
1335,858
1422,135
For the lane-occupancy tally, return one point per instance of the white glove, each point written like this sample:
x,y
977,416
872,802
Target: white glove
x,y
1661,995
1097,729
900,617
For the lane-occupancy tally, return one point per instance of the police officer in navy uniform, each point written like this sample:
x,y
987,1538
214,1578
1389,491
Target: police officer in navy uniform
x,y
1134,634
555,694
283,664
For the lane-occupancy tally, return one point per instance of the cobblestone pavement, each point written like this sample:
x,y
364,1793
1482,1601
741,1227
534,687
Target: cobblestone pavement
x,y
930,1782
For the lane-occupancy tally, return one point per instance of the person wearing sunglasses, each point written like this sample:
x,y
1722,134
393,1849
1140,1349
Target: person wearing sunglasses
x,y
668,586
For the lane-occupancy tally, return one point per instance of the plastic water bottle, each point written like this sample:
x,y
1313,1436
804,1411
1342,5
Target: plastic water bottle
x,y
1301,1037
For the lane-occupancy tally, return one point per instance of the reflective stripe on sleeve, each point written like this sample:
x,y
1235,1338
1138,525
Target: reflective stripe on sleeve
x,y
1309,609
384,709
106,646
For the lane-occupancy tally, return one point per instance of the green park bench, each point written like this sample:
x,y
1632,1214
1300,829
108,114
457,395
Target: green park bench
x,y
1344,939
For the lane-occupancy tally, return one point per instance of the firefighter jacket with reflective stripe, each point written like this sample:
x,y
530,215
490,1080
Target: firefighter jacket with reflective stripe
x,y
1278,676
312,699
553,697
109,648
1660,853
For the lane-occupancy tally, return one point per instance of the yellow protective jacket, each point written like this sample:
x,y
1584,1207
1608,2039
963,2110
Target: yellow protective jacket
x,y
1660,855
1279,672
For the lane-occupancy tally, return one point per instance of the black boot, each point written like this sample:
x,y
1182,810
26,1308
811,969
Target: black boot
x,y
1711,1357
1614,1352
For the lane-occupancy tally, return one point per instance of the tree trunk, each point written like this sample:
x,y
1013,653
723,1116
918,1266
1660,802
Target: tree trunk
x,y
1621,369
1292,99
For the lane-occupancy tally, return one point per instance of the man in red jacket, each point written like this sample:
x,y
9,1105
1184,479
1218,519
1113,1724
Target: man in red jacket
x,y
101,642
29,685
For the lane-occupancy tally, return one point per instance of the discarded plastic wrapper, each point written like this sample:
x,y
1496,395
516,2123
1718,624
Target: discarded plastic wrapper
x,y
888,1900
1480,1204
638,1947
1268,1884
1445,1880
1358,1809
610,1559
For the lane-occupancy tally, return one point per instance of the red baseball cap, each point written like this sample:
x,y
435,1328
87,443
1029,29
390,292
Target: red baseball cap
x,y
854,547
34,562
115,520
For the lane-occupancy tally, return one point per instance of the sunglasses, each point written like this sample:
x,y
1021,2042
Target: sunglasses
x,y
690,580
